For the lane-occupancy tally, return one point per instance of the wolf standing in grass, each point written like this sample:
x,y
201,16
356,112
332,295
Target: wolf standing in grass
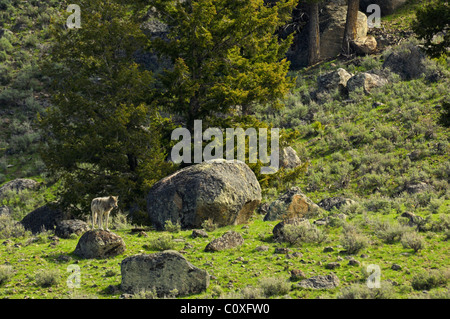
x,y
101,207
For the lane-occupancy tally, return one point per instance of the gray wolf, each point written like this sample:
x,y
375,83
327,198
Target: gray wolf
x,y
101,207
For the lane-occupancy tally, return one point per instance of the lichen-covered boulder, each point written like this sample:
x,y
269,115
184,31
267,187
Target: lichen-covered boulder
x,y
227,192
163,272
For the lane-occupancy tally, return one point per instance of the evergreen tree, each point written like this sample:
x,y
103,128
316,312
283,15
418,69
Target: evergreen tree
x,y
103,130
433,19
225,53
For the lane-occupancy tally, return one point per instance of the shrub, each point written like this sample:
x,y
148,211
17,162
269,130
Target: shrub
x,y
274,286
352,240
48,277
11,228
161,243
430,279
5,45
361,291
413,241
442,224
6,272
390,233
119,221
209,225
297,234
171,227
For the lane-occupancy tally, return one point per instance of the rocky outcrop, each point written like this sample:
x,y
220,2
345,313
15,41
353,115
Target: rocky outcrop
x,y
333,15
99,244
163,272
333,28
292,203
226,192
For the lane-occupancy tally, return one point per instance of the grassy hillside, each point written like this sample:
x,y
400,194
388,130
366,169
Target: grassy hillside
x,y
366,147
25,36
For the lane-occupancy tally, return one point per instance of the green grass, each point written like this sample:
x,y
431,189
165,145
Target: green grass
x,y
232,270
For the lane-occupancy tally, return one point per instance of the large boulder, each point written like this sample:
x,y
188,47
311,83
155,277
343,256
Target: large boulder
x,y
292,203
230,239
366,81
163,272
407,62
99,243
43,218
227,192
19,185
386,6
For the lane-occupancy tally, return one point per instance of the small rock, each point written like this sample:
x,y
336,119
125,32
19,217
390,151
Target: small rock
x,y
297,274
282,250
328,249
332,265
354,262
199,233
262,248
396,267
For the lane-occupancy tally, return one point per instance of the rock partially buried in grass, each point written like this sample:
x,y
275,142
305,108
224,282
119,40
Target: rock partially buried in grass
x,y
99,243
320,282
228,240
163,272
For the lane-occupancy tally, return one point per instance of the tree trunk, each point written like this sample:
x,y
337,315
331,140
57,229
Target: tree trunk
x,y
314,35
350,25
